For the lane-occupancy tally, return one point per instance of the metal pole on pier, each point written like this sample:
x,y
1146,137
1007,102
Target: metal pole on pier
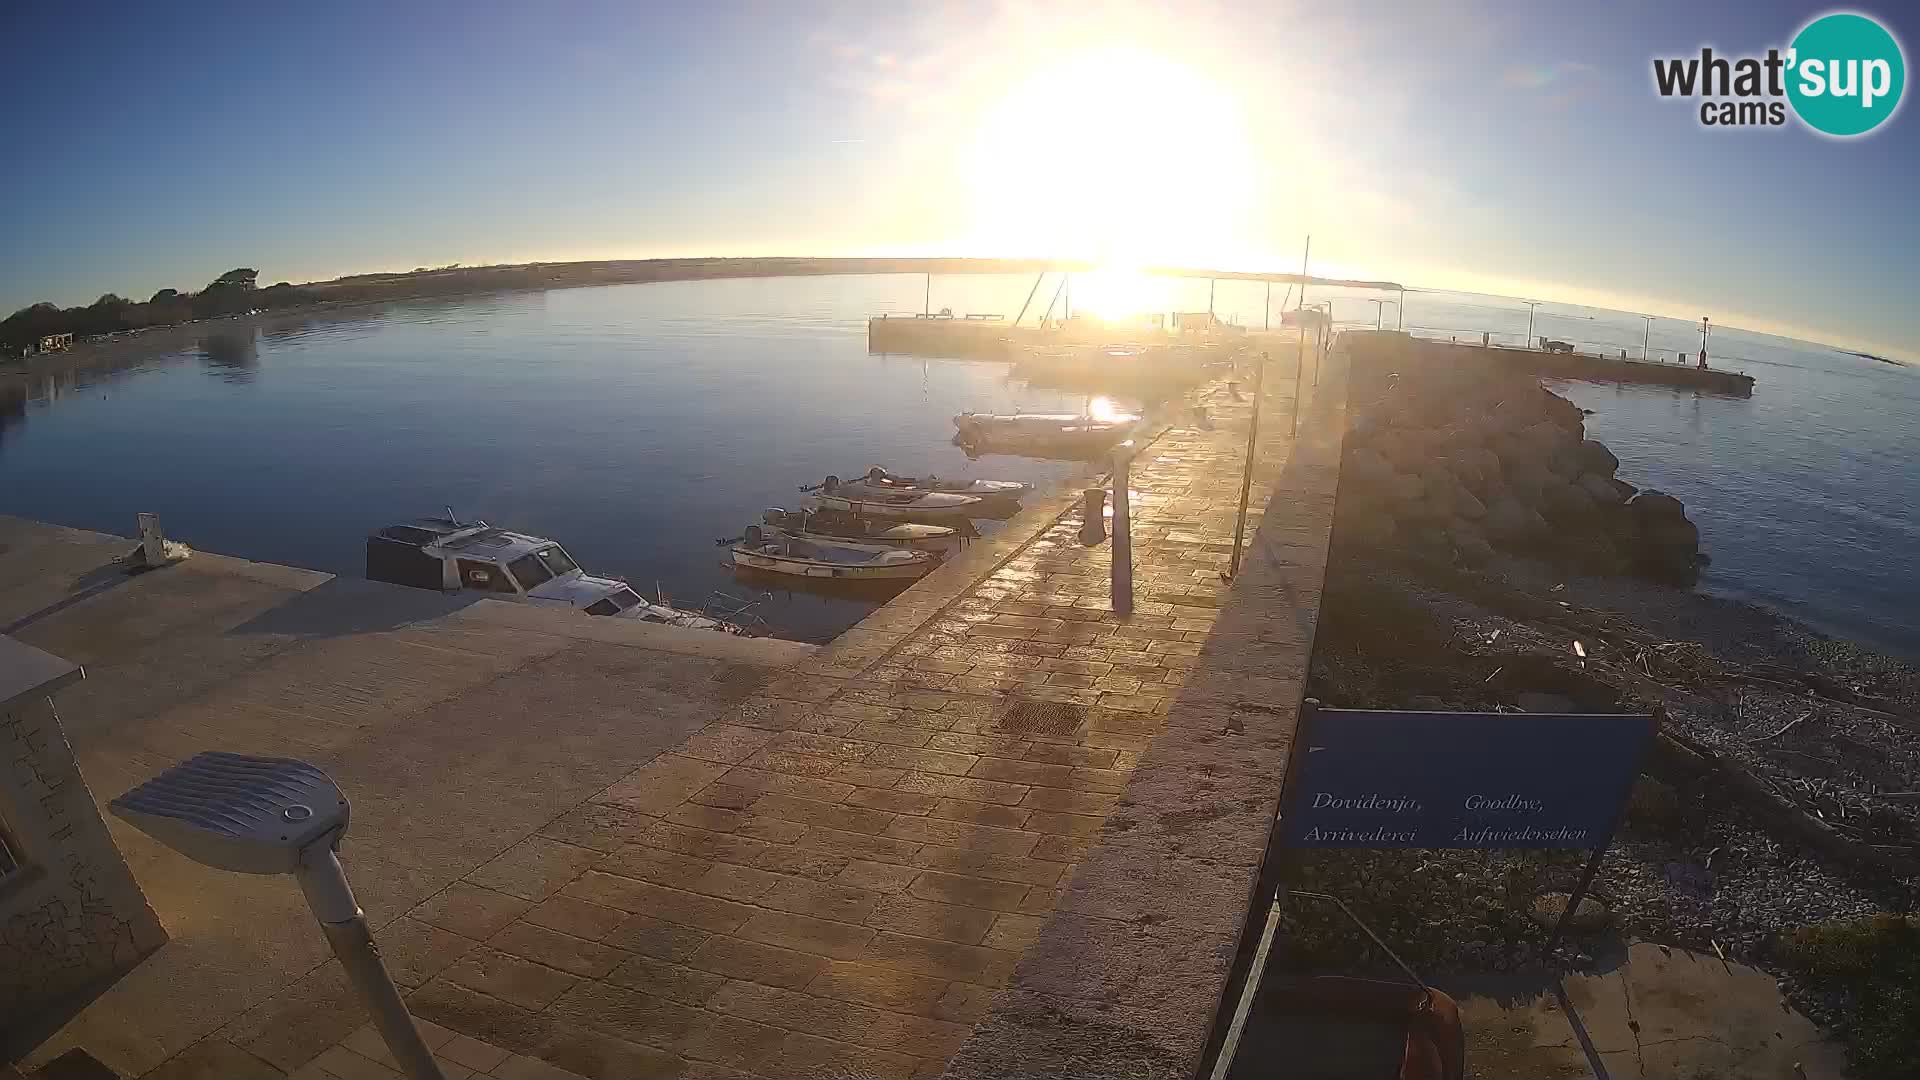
x,y
1531,305
1646,337
1066,309
1324,336
1300,354
1400,311
1210,303
1246,479
926,298
1120,582
1053,301
1038,278
1266,320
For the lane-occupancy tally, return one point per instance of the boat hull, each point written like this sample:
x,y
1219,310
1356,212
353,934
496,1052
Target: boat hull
x,y
937,546
919,510
793,566
1036,435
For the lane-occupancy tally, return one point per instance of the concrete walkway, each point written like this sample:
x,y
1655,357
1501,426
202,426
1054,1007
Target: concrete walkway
x,y
456,729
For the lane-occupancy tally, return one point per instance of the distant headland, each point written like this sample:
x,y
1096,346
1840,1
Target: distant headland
x,y
238,291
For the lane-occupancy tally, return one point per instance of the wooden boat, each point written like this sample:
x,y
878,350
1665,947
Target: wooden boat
x,y
1047,433
880,481
909,505
819,557
881,532
451,556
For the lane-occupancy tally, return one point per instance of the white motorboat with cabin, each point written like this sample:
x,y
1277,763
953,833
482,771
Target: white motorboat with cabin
x,y
880,532
453,556
820,557
908,505
878,481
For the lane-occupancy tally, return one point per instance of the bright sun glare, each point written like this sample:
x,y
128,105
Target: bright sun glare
x,y
1118,155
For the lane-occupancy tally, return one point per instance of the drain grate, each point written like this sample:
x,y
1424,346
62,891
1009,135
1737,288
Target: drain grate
x,y
1026,716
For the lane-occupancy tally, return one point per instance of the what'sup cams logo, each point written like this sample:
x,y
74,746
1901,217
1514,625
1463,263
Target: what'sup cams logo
x,y
1842,76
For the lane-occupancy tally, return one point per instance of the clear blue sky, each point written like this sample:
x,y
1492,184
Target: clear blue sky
x,y
1509,147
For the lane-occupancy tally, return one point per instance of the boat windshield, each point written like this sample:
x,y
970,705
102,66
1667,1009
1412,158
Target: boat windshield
x,y
614,603
558,560
530,571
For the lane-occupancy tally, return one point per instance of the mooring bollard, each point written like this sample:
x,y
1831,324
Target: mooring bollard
x,y
1093,514
153,542
1122,561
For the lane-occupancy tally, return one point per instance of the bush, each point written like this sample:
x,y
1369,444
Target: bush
x,y
1874,963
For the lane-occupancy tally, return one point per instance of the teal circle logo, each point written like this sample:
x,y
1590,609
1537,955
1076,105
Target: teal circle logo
x,y
1846,73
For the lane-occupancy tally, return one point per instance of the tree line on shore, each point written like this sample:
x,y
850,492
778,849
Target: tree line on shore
x,y
229,294
235,291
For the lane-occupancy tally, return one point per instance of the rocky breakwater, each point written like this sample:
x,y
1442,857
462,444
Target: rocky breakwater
x,y
1458,462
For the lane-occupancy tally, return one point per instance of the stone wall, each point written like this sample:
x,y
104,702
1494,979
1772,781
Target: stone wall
x,y
72,917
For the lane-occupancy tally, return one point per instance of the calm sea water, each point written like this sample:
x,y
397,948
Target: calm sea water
x,y
638,423
634,424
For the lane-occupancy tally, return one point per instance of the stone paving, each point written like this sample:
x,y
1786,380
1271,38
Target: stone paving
x,y
457,727
834,877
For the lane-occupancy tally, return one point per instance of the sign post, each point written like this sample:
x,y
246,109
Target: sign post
x,y
1374,779
1362,778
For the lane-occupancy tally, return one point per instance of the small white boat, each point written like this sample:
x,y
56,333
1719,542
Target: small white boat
x,y
910,505
1054,432
452,556
938,539
879,481
819,557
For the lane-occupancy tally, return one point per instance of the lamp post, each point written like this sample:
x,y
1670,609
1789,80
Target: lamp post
x,y
264,815
1531,305
1120,556
1246,477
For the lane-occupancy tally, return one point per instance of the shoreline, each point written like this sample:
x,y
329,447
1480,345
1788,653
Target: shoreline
x,y
1759,812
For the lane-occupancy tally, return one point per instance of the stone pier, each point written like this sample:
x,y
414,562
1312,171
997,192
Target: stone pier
x,y
993,829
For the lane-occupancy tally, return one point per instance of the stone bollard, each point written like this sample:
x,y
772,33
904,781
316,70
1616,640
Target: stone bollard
x,y
1093,514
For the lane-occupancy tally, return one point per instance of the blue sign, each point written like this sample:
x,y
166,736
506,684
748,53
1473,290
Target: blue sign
x,y
1460,780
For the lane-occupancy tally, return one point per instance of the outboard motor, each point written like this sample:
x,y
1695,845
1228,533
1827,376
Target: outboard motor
x,y
877,474
773,515
754,537
830,483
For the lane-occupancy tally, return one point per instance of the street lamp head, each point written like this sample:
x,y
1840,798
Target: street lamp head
x,y
249,815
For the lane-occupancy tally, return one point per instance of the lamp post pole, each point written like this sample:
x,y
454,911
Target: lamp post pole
x,y
1246,478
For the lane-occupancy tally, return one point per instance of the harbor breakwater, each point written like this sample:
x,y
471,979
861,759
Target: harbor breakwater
x,y
1454,454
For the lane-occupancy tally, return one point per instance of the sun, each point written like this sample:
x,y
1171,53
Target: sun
x,y
1117,155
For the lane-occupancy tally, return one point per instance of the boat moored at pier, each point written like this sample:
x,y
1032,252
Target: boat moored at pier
x,y
778,552
882,532
454,556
